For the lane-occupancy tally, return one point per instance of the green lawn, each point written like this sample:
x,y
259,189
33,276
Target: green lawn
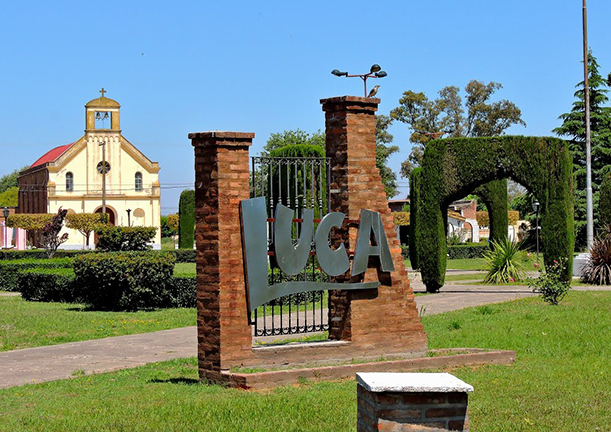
x,y
560,382
29,324
185,269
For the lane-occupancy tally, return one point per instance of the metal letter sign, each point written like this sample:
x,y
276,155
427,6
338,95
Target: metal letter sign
x,y
293,258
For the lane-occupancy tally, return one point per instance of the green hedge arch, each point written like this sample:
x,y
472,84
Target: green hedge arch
x,y
452,168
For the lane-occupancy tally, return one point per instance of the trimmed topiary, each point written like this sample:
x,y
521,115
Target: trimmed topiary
x,y
414,187
604,203
452,168
494,195
186,219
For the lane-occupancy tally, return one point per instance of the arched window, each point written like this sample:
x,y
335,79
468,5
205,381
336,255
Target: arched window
x,y
69,182
139,182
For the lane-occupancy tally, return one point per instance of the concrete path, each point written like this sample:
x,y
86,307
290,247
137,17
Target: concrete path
x,y
63,361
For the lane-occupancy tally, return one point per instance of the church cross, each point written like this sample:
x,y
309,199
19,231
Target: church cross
x,y
103,91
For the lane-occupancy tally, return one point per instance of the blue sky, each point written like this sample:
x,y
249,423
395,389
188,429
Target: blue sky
x,y
262,66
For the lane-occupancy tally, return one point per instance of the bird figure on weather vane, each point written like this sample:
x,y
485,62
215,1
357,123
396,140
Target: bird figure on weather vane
x,y
374,72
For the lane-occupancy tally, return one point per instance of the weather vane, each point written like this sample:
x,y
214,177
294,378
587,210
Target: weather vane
x,y
374,72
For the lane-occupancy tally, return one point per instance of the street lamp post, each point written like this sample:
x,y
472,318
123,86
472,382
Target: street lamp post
x,y
586,90
536,206
5,211
374,72
128,220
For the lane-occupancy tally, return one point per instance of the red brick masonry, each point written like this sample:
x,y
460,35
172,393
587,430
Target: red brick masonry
x,y
422,407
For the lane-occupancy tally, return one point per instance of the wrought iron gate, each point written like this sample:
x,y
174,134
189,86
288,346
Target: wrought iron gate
x,y
297,183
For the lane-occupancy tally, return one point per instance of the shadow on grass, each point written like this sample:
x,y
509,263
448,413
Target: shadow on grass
x,y
181,381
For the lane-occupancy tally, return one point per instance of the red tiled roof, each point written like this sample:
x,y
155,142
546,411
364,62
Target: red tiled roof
x,y
52,155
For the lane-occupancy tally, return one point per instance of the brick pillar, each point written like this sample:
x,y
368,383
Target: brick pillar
x,y
418,402
221,182
385,319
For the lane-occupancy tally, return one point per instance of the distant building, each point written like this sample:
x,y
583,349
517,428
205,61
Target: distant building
x,y
70,176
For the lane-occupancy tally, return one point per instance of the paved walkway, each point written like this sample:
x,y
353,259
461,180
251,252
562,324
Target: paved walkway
x,y
63,361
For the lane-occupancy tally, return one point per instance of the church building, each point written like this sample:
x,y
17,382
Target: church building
x,y
73,177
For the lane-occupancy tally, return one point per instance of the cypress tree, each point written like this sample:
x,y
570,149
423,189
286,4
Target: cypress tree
x,y
604,203
186,219
573,128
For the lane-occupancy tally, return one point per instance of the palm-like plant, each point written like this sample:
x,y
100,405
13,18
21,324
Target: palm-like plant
x,y
597,269
503,265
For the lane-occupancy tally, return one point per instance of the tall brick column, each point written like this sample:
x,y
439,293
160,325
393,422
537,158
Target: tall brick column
x,y
385,320
221,182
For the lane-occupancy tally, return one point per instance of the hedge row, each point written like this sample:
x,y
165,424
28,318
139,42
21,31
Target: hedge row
x,y
181,255
10,270
130,293
468,251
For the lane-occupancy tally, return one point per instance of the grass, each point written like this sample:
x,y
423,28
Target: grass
x,y
185,270
167,243
560,382
30,324
480,263
465,277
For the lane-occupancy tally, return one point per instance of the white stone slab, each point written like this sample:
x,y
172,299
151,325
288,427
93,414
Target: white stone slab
x,y
378,382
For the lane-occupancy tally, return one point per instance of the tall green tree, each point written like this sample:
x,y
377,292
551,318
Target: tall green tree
x,y
10,180
383,152
573,128
292,137
447,115
298,137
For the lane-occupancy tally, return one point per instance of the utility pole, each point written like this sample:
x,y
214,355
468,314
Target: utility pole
x,y
586,89
103,144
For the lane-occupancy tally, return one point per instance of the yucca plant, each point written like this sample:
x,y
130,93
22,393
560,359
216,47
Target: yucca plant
x,y
597,269
503,264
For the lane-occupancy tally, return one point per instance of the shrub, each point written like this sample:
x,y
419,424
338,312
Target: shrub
x,y
29,221
597,269
182,292
186,219
400,218
14,255
49,285
184,255
551,284
405,251
9,271
124,281
503,265
468,251
118,238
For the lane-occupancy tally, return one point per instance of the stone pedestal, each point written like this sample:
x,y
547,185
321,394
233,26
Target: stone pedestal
x,y
422,402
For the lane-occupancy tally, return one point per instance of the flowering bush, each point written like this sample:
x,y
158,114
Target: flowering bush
x,y
551,285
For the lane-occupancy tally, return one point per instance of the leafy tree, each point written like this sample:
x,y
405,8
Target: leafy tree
x,y
86,223
292,137
383,152
430,119
573,128
51,239
169,225
10,180
298,137
10,197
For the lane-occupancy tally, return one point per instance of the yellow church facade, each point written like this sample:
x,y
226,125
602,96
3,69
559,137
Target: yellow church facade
x,y
73,177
